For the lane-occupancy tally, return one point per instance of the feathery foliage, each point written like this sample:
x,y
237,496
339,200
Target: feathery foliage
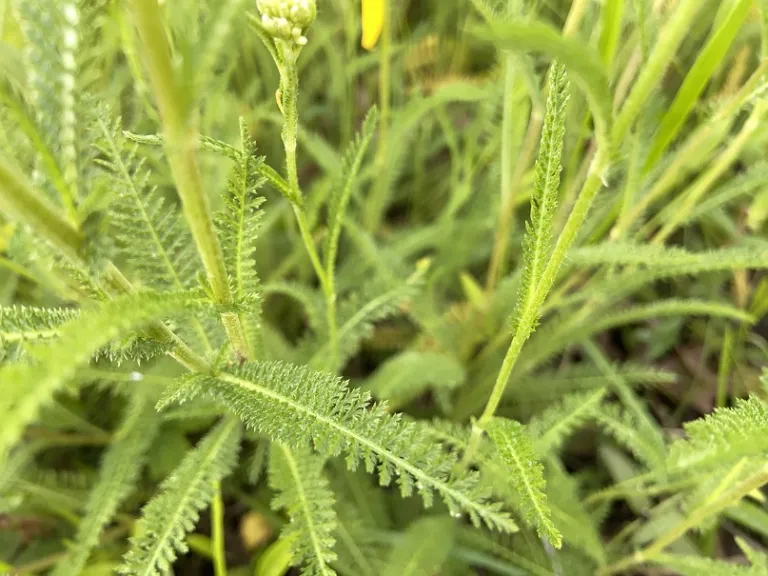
x,y
302,491
19,324
148,229
551,428
176,508
79,340
441,223
342,190
408,375
515,447
537,244
294,405
723,437
119,471
238,226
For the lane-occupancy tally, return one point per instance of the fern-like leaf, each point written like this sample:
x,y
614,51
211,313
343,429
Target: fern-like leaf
x,y
175,510
342,189
515,447
625,429
558,422
537,244
302,491
148,230
294,405
19,324
358,314
80,339
423,548
238,226
117,476
723,437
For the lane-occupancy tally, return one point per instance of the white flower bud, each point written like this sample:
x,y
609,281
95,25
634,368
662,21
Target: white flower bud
x,y
287,19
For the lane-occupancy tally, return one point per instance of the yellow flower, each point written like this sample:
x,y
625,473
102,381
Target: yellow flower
x,y
373,22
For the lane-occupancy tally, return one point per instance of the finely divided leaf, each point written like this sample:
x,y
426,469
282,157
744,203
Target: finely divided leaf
x,y
238,226
296,475
411,373
515,447
80,339
342,189
19,324
294,405
149,230
175,510
723,437
118,473
537,244
552,428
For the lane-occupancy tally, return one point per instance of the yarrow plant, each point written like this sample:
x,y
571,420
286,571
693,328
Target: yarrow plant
x,y
288,20
486,299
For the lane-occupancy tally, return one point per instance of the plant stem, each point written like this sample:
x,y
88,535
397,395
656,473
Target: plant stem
x,y
181,142
706,180
289,89
19,200
217,530
677,27
714,504
531,313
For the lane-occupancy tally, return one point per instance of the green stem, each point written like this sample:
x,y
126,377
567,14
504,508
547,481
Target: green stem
x,y
217,529
721,499
19,200
704,183
181,143
532,313
678,26
289,89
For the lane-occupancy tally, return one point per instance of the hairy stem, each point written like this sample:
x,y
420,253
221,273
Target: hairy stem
x,y
181,142
19,200
217,530
530,315
289,89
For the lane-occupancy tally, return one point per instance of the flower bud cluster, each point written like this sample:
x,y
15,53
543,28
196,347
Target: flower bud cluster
x,y
288,19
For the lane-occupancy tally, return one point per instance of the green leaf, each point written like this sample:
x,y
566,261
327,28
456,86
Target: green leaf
x,y
550,429
19,324
118,474
149,231
624,427
302,491
677,26
583,63
537,244
342,189
294,405
175,509
515,447
709,59
423,549
611,21
678,260
238,226
79,340
723,437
